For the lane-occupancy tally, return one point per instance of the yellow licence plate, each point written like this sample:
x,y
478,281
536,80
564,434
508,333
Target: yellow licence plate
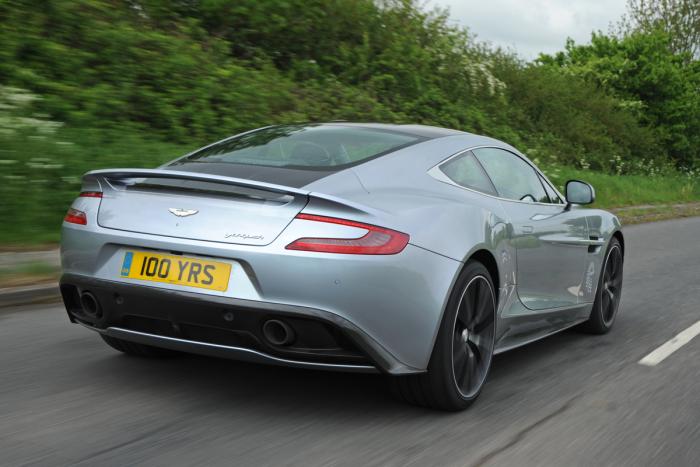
x,y
180,270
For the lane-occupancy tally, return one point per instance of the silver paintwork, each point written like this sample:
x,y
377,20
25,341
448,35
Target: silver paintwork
x,y
549,258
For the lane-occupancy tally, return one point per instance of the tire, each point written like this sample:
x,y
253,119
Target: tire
x,y
466,334
608,292
137,350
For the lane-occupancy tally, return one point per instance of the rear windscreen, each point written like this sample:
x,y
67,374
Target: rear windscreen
x,y
304,146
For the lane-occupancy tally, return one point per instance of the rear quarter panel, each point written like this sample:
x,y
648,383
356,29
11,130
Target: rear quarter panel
x,y
603,225
442,218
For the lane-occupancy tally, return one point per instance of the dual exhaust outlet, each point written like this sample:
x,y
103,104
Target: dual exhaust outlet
x,y
90,305
276,332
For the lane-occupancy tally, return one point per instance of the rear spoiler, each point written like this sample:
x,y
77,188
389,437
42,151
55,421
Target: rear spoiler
x,y
91,178
91,182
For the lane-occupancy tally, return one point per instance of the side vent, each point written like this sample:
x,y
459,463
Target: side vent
x,y
593,248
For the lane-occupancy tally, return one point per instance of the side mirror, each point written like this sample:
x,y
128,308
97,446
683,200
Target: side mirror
x,y
578,192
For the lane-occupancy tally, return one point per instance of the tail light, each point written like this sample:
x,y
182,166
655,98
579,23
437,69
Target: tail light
x,y
74,216
377,240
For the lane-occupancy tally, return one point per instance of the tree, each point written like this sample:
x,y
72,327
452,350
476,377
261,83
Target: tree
x,y
679,18
652,81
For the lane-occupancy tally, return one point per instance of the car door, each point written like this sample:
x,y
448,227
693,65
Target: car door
x,y
551,242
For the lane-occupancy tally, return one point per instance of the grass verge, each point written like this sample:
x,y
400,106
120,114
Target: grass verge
x,y
615,191
642,214
28,274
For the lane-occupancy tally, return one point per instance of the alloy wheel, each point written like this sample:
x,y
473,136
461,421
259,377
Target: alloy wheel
x,y
473,336
612,285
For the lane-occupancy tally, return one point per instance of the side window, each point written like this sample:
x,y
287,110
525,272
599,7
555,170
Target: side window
x,y
464,170
512,176
553,196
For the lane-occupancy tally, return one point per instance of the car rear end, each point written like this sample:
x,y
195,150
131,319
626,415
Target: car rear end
x,y
250,270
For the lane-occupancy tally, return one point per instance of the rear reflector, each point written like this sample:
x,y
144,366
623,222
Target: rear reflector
x,y
377,240
75,217
91,194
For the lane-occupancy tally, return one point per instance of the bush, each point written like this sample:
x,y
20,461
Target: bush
x,y
138,83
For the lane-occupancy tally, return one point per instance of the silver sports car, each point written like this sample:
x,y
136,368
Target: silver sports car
x,y
413,251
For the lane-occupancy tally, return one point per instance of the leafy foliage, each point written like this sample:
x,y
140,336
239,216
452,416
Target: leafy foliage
x,y
194,70
654,85
137,82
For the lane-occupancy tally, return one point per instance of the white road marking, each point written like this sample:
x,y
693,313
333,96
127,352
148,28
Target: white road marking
x,y
661,353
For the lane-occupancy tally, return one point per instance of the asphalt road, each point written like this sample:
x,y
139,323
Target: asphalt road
x,y
572,399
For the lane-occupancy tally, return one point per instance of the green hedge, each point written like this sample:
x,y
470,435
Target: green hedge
x,y
98,83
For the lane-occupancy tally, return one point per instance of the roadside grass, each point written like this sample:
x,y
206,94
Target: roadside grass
x,y
613,191
636,215
28,274
40,176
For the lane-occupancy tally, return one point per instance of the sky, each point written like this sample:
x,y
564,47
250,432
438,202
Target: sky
x,y
533,26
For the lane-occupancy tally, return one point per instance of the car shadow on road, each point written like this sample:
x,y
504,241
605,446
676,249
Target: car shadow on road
x,y
264,388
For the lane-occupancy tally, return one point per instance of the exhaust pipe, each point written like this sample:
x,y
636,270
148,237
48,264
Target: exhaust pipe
x,y
278,332
90,305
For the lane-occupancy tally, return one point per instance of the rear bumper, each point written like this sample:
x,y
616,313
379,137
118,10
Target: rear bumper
x,y
224,327
225,351
395,301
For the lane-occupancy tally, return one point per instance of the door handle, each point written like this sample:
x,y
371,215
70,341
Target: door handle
x,y
528,229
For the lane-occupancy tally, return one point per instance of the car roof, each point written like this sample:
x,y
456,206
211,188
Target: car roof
x,y
424,131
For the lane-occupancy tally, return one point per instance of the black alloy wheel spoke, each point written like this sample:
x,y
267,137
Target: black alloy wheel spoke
x,y
616,283
611,294
477,344
473,295
615,263
605,302
482,308
463,314
459,355
463,376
